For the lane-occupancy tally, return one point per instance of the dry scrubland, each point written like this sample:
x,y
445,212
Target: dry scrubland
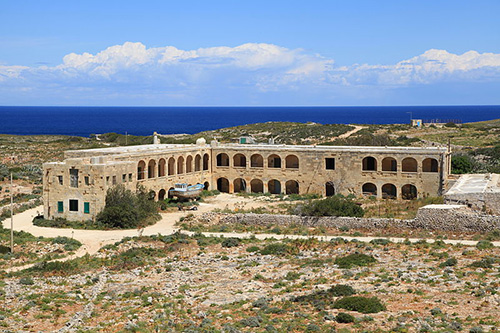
x,y
198,284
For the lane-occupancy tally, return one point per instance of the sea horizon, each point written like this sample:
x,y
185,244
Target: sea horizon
x,y
144,120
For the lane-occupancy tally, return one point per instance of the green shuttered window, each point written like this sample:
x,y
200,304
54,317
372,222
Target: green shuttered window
x,y
60,207
86,207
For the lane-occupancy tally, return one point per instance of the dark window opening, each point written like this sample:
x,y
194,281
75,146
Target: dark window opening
x,y
330,163
73,205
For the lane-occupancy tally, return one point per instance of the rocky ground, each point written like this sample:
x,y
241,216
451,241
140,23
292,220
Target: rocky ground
x,y
201,284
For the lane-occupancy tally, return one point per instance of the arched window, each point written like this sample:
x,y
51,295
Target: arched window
x,y
171,166
240,185
256,161
206,159
197,163
189,164
222,160
170,196
274,186
389,191
389,164
292,187
223,185
257,186
239,161
141,170
329,189
274,161
409,164
161,167
180,165
206,186
430,165
369,189
151,168
369,164
292,162
409,192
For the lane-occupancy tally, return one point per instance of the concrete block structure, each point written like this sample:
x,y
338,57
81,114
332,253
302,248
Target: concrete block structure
x,y
76,188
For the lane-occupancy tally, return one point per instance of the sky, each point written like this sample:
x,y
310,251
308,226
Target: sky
x,y
249,53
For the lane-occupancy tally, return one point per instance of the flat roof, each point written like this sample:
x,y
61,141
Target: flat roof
x,y
476,183
153,148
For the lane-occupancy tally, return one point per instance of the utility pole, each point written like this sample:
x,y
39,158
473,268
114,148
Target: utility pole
x,y
11,215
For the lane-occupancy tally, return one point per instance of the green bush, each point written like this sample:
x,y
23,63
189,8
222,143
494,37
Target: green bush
x,y
125,209
342,290
278,249
484,245
343,317
230,242
355,259
70,244
484,263
360,304
449,262
332,206
462,164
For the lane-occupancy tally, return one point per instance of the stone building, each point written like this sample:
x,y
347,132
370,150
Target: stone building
x,y
76,188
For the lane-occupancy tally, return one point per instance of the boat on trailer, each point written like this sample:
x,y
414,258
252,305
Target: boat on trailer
x,y
185,191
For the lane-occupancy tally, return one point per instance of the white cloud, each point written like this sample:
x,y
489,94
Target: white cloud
x,y
247,71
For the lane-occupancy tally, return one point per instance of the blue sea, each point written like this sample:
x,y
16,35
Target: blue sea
x,y
83,121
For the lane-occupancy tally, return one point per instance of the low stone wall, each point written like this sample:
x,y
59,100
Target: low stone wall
x,y
489,202
435,219
455,220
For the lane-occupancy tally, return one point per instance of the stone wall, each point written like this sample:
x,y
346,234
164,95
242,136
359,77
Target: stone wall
x,y
488,202
435,219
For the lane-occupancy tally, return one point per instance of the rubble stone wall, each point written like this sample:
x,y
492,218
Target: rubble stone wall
x,y
435,219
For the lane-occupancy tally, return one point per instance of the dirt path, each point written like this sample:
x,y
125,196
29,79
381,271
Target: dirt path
x,y
93,240
351,132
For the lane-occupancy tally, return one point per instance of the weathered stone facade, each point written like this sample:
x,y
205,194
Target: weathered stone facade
x,y
76,188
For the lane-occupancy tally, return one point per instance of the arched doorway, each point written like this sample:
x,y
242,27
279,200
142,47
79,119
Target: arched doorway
x,y
257,186
369,164
189,164
171,166
206,159
180,165
161,195
223,185
409,192
389,164
274,186
292,187
240,185
222,160
197,163
239,161
161,167
369,189
430,165
274,161
292,162
329,189
389,191
409,164
256,161
141,170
